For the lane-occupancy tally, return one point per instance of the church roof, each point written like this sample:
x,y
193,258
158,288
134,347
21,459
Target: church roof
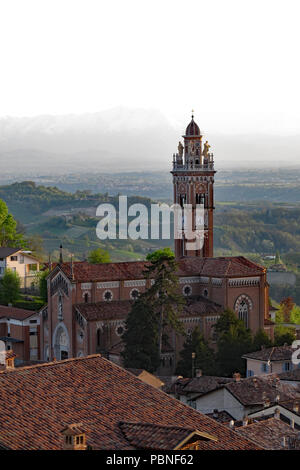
x,y
115,408
192,129
194,266
119,309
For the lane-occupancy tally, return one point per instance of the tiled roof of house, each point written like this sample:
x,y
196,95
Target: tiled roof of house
x,y
153,436
6,251
259,390
277,353
199,385
291,375
230,266
44,399
220,416
15,313
270,434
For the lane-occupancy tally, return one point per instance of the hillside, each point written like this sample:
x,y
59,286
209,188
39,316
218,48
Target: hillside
x,y
59,216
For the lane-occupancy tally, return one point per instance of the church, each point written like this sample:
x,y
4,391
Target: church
x,y
88,303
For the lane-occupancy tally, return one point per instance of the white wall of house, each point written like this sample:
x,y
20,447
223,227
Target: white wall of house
x,y
255,367
283,411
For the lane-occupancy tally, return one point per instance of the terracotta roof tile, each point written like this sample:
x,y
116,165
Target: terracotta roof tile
x,y
270,434
153,436
258,390
43,399
222,266
277,353
15,313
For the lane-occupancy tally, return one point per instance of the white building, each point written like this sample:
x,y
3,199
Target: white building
x,y
20,261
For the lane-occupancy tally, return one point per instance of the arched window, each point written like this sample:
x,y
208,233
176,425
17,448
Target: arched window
x,y
86,297
243,312
243,306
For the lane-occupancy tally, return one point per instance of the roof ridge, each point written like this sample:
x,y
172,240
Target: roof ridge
x,y
52,363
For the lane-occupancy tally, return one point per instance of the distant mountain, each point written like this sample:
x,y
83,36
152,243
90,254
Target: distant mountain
x,y
122,139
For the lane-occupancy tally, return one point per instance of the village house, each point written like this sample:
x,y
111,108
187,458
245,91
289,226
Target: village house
x,y
272,434
241,397
270,360
20,261
91,403
20,332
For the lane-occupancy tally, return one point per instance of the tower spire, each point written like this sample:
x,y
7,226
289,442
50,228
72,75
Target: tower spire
x,y
60,254
193,179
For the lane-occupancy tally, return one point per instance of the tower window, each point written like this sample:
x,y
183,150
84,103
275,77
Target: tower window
x,y
200,199
86,297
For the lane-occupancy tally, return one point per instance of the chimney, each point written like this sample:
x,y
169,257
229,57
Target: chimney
x,y
277,413
198,373
245,420
60,255
237,376
231,424
74,437
10,359
296,407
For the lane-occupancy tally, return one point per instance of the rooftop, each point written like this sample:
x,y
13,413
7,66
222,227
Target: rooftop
x,y
109,402
271,434
15,313
222,267
277,353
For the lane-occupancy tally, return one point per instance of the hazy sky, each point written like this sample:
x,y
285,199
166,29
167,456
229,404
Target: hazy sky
x,y
235,62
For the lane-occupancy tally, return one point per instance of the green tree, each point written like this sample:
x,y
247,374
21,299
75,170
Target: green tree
x,y
233,340
42,281
295,315
163,295
277,258
204,356
98,256
261,339
10,287
9,236
141,337
284,335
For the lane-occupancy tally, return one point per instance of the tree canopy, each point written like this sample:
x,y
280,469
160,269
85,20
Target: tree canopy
x,y
204,356
9,235
9,287
98,256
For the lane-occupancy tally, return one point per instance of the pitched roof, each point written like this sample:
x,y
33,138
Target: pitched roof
x,y
116,309
15,313
222,266
258,390
119,309
277,353
291,375
199,385
153,436
270,433
220,416
6,251
45,398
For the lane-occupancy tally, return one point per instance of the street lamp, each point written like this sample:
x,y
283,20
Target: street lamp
x,y
193,363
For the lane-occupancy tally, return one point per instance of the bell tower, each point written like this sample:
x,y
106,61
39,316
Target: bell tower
x,y
193,182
